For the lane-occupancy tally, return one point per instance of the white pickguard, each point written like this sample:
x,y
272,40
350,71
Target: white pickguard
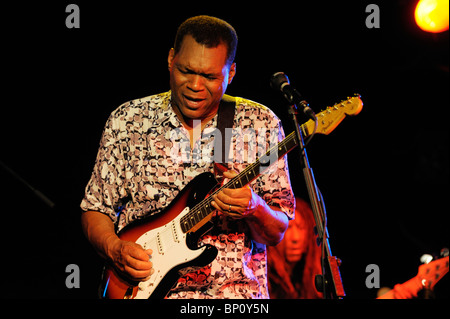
x,y
169,247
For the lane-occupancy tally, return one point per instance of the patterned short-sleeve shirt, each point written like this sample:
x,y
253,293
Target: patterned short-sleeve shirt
x,y
145,160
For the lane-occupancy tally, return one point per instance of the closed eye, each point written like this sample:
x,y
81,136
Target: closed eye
x,y
189,71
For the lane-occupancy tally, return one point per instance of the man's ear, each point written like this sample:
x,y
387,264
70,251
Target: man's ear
x,y
170,58
231,73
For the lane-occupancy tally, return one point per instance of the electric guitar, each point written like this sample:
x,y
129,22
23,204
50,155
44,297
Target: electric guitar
x,y
427,277
173,234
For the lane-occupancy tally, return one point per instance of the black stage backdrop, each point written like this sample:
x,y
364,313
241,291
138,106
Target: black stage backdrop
x,y
383,174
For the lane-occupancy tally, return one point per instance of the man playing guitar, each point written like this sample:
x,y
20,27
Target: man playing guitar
x,y
144,161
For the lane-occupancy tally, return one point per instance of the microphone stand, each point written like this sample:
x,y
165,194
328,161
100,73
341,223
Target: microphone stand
x,y
329,282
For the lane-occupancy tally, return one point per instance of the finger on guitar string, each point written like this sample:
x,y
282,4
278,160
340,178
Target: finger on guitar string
x,y
138,275
225,209
230,174
138,264
149,252
240,199
133,261
136,251
137,269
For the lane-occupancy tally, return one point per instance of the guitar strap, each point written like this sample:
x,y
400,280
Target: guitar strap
x,y
225,119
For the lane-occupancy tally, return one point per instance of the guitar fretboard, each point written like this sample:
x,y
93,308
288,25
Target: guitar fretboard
x,y
252,171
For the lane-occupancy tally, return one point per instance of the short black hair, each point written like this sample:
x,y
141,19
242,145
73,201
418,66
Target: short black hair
x,y
209,31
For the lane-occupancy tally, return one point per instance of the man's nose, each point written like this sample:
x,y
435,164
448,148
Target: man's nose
x,y
196,83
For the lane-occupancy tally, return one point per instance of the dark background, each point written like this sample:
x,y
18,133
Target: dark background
x,y
383,174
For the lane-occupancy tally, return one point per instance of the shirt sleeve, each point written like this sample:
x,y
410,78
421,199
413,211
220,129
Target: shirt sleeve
x,y
106,185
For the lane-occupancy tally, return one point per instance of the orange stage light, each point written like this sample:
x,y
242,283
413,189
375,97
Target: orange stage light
x,y
432,15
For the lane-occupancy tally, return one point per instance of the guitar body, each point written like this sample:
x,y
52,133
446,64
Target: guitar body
x,y
173,250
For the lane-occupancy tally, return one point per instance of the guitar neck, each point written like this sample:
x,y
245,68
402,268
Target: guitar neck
x,y
203,209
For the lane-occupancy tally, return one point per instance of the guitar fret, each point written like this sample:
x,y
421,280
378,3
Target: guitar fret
x,y
247,177
186,224
194,219
198,215
253,173
189,221
209,208
204,211
283,148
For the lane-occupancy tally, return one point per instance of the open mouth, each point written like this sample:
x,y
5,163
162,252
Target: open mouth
x,y
193,101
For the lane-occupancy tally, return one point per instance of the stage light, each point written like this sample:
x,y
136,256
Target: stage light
x,y
432,15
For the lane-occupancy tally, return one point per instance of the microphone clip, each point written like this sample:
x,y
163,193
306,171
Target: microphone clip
x,y
304,106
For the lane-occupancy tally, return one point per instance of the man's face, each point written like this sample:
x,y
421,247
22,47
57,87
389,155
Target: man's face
x,y
199,77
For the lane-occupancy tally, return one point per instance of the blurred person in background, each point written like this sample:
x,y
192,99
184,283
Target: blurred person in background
x,y
295,261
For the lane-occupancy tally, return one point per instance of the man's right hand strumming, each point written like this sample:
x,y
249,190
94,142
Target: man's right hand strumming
x,y
129,258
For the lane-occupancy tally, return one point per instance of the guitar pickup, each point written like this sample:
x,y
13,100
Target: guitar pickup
x,y
174,232
159,244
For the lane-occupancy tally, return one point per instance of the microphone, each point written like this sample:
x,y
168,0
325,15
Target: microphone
x,y
280,82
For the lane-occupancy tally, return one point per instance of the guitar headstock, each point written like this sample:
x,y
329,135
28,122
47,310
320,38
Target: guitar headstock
x,y
429,274
330,118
